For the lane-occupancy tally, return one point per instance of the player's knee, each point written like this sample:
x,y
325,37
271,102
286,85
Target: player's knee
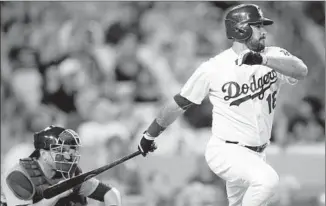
x,y
269,181
273,181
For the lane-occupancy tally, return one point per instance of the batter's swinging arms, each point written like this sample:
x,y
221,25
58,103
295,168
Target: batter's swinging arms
x,y
242,83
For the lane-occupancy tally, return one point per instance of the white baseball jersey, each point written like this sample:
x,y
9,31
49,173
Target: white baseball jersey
x,y
243,97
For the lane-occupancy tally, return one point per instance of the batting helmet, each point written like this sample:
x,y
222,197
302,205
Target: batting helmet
x,y
64,145
239,19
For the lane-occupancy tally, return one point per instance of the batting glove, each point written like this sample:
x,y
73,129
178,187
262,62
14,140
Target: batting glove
x,y
251,58
146,144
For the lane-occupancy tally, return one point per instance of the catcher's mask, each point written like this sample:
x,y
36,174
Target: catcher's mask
x,y
239,19
64,146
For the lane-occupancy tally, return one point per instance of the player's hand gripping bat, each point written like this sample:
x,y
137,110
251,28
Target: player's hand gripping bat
x,y
59,188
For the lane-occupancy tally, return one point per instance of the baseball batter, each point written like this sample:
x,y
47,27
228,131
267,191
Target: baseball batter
x,y
55,158
242,83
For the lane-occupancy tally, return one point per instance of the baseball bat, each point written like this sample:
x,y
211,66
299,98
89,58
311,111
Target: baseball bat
x,y
61,187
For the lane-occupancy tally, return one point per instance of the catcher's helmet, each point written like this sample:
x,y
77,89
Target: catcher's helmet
x,y
64,146
239,19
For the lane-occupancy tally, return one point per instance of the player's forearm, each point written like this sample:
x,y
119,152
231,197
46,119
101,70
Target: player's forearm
x,y
167,115
288,65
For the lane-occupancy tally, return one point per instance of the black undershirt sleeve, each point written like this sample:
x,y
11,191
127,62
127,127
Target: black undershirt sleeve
x,y
183,102
99,192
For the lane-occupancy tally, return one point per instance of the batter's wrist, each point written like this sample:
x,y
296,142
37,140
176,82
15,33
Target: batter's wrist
x,y
148,136
155,129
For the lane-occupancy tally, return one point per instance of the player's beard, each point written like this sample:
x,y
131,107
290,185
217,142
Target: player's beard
x,y
256,45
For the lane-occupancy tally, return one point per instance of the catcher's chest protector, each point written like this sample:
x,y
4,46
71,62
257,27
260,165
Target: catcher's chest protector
x,y
40,183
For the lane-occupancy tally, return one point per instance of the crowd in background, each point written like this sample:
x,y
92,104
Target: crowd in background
x,y
104,69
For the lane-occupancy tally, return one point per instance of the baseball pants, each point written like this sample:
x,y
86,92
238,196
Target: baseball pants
x,y
250,181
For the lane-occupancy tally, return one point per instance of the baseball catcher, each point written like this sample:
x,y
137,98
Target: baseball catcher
x,y
55,159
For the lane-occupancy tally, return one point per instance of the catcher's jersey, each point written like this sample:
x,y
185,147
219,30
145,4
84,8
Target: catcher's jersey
x,y
243,97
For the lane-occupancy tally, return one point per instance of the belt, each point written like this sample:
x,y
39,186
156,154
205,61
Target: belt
x,y
253,148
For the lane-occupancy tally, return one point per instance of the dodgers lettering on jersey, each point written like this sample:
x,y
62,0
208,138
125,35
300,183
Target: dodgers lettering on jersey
x,y
256,86
243,97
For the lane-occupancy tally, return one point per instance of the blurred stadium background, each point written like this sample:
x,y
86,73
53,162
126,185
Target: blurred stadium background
x,y
105,68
